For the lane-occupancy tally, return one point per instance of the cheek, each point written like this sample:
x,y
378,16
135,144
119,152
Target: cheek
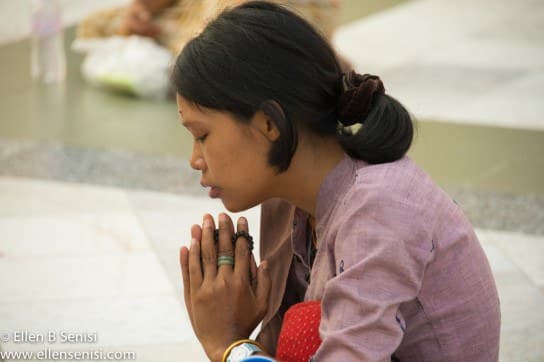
x,y
237,159
222,161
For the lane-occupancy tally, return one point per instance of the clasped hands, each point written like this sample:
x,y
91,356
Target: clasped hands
x,y
225,302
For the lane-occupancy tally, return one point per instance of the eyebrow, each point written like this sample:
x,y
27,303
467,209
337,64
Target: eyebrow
x,y
184,122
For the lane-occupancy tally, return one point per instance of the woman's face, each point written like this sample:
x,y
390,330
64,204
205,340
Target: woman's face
x,y
231,156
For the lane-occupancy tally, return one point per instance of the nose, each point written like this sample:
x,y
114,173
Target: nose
x,y
197,161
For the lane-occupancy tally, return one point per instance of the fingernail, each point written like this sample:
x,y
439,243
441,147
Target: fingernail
x,y
207,223
222,217
193,242
242,220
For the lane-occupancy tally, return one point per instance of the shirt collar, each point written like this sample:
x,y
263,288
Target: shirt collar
x,y
298,236
332,190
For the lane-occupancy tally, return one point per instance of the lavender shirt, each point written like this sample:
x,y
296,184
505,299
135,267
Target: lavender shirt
x,y
399,269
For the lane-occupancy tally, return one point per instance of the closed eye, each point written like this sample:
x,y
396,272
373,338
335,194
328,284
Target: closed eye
x,y
201,138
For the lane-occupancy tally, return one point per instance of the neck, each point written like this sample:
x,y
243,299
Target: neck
x,y
312,162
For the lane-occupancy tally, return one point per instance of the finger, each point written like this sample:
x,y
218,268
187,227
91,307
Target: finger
x,y
195,266
196,232
263,289
184,263
225,248
209,256
253,274
241,252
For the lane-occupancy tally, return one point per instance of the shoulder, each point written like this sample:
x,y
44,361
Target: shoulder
x,y
401,178
394,202
394,187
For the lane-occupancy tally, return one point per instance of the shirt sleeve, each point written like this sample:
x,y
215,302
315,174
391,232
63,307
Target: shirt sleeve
x,y
380,256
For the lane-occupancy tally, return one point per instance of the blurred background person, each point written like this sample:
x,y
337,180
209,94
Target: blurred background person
x,y
173,22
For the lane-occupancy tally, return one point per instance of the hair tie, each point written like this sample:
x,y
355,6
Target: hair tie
x,y
357,98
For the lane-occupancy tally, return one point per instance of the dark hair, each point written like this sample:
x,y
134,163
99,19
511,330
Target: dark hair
x,y
261,56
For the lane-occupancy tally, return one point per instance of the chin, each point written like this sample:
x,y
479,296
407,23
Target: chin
x,y
234,206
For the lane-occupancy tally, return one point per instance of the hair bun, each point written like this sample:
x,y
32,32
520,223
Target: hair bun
x,y
357,98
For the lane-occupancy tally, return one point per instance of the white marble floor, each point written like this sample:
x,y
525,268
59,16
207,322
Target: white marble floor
x,y
478,62
80,258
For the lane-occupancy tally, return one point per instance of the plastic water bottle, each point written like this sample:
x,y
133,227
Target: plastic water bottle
x,y
48,60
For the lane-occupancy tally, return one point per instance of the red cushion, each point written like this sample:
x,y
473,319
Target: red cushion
x,y
299,337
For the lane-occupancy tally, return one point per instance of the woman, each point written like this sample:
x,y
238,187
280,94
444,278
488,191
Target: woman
x,y
350,224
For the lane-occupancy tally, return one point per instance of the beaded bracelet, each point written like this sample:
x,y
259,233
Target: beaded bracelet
x,y
235,237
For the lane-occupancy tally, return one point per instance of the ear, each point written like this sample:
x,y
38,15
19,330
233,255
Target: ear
x,y
267,118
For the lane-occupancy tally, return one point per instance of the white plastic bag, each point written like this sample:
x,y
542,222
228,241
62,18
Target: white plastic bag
x,y
133,64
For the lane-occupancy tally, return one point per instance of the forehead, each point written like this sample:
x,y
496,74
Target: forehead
x,y
193,115
186,108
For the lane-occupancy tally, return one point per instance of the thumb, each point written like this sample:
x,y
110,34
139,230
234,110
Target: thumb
x,y
263,288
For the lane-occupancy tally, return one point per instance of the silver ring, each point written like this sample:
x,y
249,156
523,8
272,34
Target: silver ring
x,y
225,260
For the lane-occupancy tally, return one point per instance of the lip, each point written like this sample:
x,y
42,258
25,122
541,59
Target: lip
x,y
214,192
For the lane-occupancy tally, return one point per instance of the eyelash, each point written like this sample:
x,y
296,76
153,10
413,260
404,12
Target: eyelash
x,y
202,138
